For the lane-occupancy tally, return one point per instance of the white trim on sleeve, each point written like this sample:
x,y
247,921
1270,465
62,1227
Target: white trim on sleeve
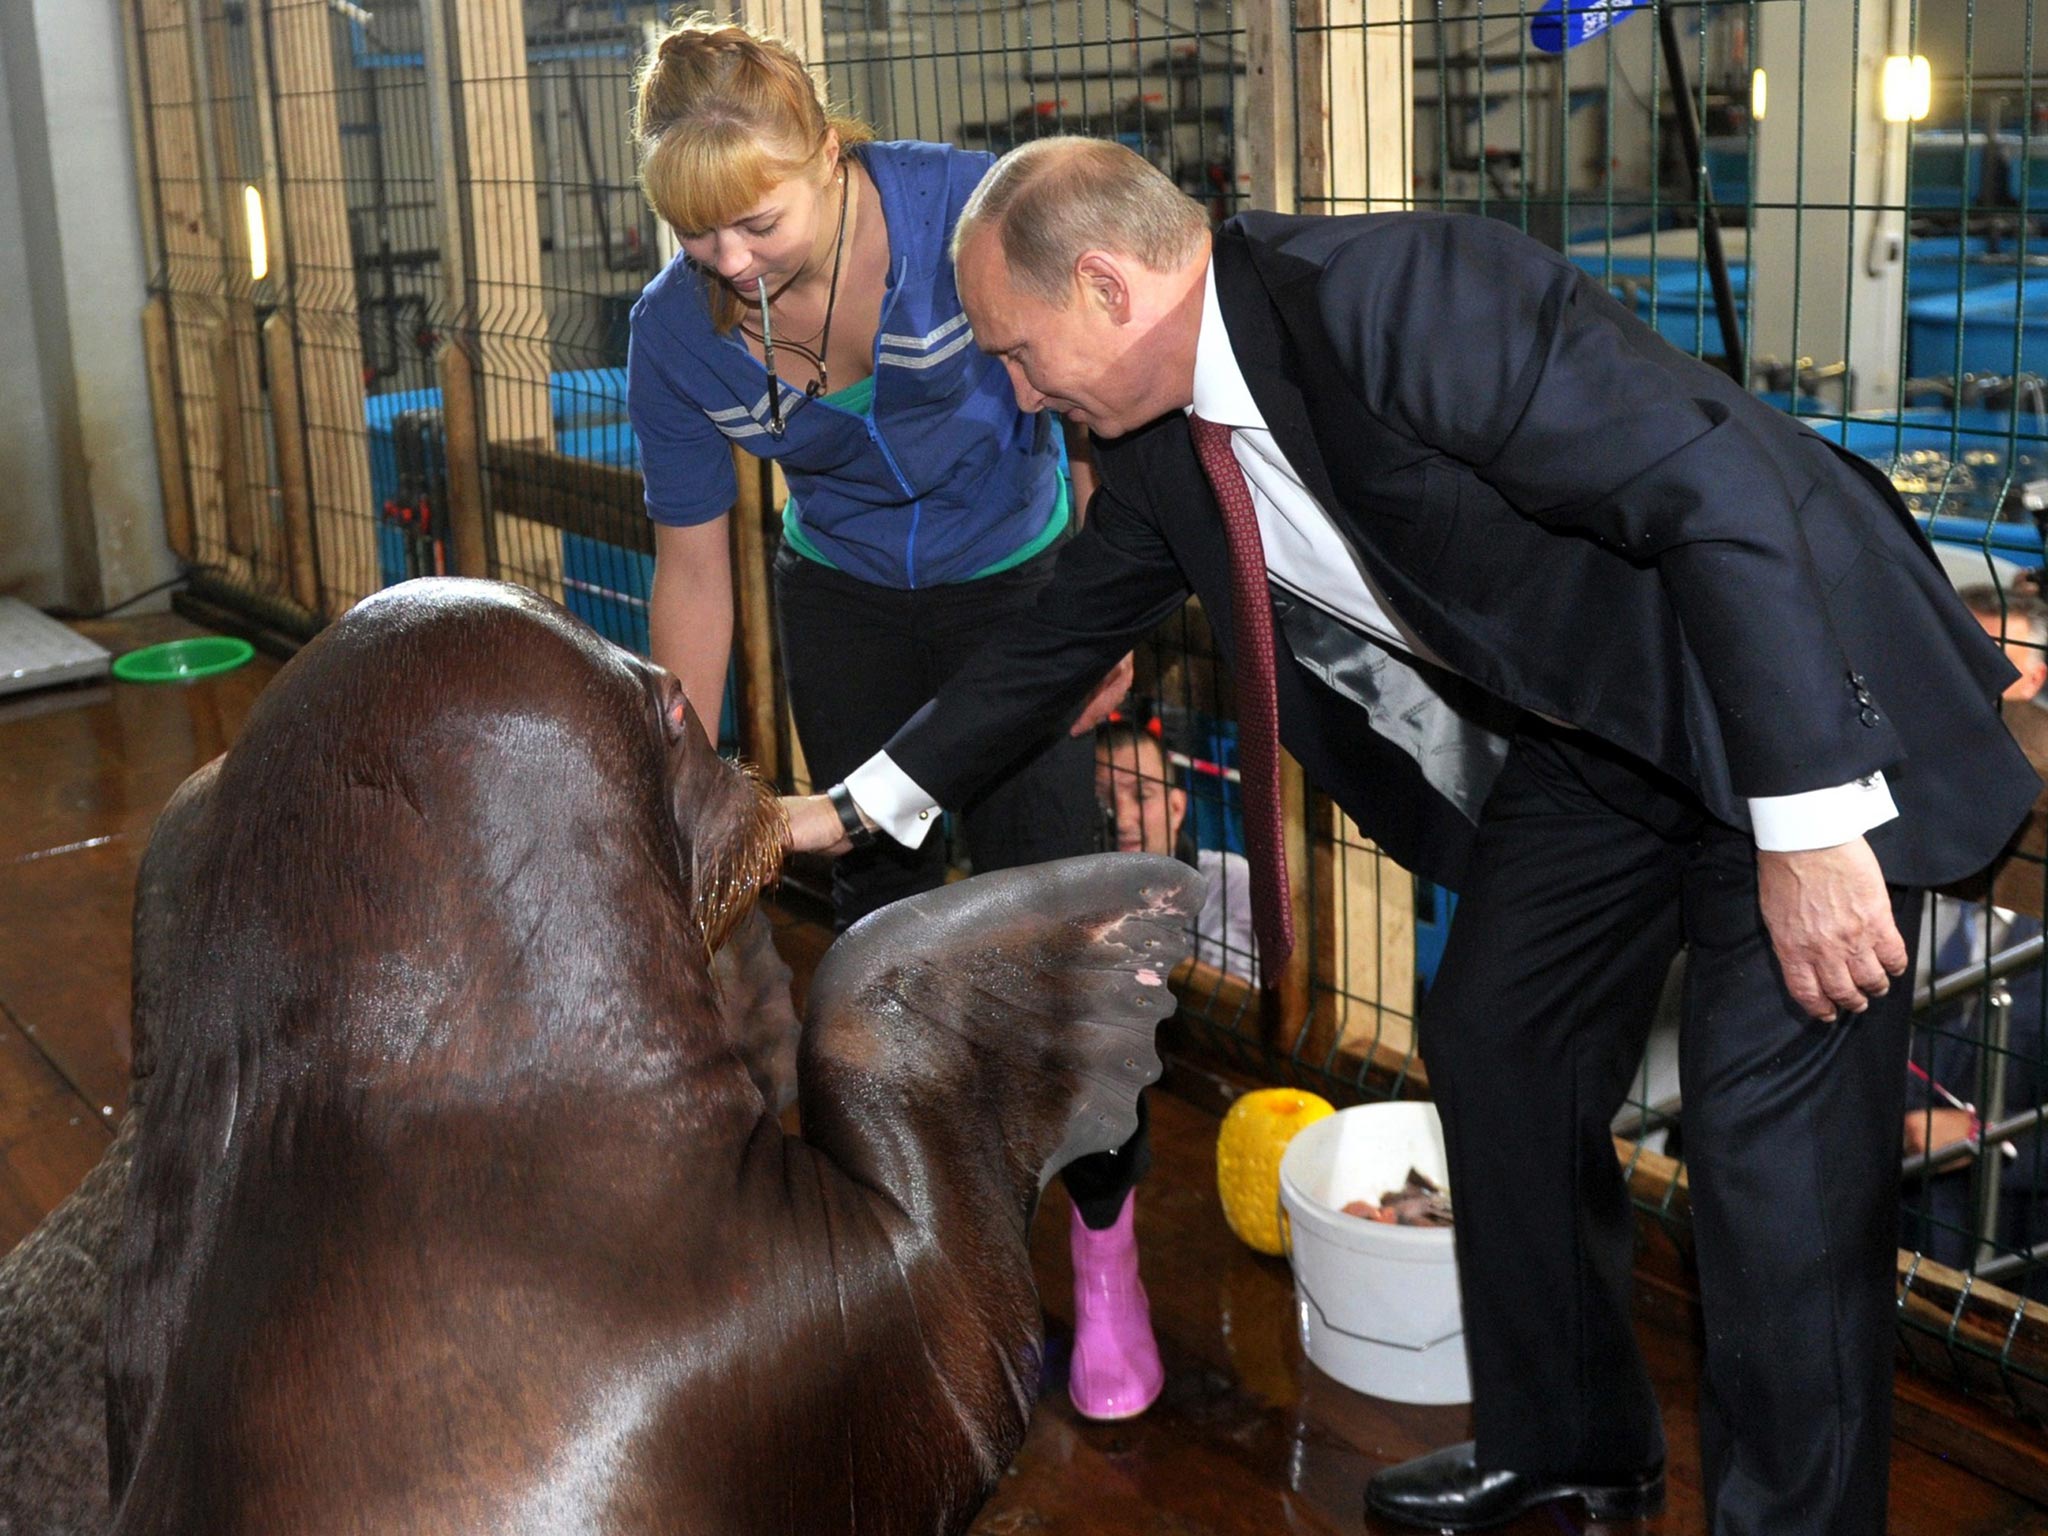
x,y
893,800
1821,818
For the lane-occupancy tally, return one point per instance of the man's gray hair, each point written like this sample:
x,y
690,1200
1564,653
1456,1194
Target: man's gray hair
x,y
1052,199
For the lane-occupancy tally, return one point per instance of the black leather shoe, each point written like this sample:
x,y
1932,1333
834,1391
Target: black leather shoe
x,y
1444,1491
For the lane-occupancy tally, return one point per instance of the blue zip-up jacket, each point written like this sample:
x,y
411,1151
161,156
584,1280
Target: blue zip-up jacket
x,y
944,479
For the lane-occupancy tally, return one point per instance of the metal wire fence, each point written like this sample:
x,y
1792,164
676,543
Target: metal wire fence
x,y
428,375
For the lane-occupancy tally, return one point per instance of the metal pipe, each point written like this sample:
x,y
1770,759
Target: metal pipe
x,y
1998,1133
1687,113
1961,983
1990,1170
2010,1263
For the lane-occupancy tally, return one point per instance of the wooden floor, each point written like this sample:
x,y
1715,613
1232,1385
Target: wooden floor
x,y
1248,1438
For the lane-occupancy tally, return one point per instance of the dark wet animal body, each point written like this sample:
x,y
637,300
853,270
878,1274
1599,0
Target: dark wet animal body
x,y
456,1209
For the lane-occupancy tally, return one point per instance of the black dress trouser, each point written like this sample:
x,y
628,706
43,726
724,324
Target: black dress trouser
x,y
860,660
1588,873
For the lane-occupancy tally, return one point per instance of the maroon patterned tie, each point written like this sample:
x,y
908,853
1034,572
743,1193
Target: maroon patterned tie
x,y
1258,707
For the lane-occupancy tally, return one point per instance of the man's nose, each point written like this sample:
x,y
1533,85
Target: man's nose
x,y
1028,399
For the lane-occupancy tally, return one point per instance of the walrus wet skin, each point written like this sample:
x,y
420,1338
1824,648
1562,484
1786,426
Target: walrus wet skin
x,y
454,1206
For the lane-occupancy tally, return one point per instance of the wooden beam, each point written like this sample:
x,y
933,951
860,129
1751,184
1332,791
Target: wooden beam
x,y
239,515
495,140
139,129
546,488
758,697
312,227
193,309
1293,1026
800,23
1269,103
163,418
1365,952
1356,105
1356,94
294,485
468,538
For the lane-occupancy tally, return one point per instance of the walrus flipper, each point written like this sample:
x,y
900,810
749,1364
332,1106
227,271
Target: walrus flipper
x,y
53,1366
1021,1003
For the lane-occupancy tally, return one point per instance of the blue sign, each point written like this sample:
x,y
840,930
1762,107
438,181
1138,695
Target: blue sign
x,y
1563,24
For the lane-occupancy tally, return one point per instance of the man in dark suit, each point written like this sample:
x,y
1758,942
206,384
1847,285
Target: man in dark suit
x,y
1568,622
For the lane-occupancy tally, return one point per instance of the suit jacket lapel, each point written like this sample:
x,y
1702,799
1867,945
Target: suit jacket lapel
x,y
1258,318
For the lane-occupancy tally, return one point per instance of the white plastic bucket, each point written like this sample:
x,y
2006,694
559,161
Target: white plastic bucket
x,y
1378,1303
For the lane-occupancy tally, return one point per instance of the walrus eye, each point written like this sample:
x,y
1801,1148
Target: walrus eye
x,y
675,709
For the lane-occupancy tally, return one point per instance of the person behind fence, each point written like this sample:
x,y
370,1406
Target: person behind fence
x,y
811,318
1951,1068
1146,812
1567,621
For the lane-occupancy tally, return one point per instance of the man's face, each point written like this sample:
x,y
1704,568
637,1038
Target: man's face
x,y
1083,360
1131,784
2011,631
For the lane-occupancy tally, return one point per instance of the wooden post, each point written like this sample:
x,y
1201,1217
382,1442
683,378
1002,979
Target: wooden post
x,y
495,139
469,544
800,23
312,229
139,128
1294,1027
234,451
1365,962
163,416
1356,94
1269,104
759,698
245,483
192,301
295,492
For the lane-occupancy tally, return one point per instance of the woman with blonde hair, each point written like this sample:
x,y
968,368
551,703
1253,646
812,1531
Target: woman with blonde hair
x,y
811,317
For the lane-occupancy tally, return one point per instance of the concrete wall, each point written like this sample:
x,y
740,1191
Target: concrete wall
x,y
81,522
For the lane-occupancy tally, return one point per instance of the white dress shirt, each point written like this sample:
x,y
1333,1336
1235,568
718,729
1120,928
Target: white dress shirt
x,y
1308,554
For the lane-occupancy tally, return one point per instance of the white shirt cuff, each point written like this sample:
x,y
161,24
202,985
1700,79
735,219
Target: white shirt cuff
x,y
1821,818
893,800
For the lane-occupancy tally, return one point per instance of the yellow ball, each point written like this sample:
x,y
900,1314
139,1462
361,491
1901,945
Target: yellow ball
x,y
1254,1134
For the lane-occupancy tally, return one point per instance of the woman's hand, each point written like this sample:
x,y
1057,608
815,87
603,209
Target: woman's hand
x,y
1109,693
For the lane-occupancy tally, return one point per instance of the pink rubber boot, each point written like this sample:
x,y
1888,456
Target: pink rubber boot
x,y
1116,1372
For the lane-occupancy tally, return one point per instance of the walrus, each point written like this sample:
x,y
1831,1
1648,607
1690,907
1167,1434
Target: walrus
x,y
53,1377
455,1209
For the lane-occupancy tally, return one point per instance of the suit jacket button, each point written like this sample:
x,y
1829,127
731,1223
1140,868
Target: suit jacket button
x,y
1855,679
1868,715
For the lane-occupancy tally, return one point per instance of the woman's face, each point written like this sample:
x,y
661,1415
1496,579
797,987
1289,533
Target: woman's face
x,y
775,239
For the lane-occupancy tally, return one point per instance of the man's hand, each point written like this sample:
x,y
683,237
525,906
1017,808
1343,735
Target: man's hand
x,y
814,825
1108,694
1830,921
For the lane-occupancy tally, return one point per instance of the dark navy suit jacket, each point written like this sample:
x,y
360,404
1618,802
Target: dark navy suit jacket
x,y
1571,513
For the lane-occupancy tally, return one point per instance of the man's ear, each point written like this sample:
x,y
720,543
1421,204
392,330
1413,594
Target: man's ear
x,y
1104,283
1176,809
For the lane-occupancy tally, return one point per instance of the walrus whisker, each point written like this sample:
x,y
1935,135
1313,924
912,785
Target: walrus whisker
x,y
725,892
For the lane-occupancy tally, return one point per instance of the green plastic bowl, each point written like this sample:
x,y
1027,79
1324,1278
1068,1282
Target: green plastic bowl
x,y
180,661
